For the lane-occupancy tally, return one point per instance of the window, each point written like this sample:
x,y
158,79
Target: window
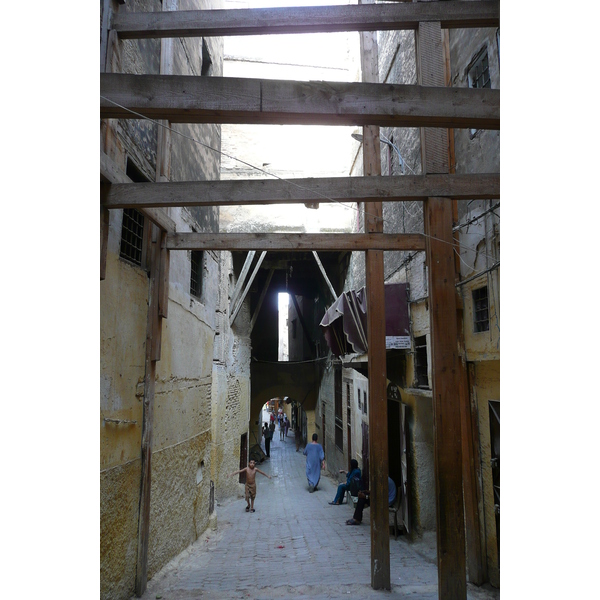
x,y
364,402
134,225
478,74
421,377
359,402
481,320
132,236
348,406
339,431
206,69
196,273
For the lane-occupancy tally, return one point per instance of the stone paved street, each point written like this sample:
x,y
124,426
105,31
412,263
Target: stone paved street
x,y
295,545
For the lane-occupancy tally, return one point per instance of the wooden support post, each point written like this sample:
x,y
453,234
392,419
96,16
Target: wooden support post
x,y
153,330
261,299
446,360
378,422
474,556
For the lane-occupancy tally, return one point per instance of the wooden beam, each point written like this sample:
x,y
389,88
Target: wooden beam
x,y
111,173
241,279
404,188
444,339
153,334
246,289
378,425
261,299
295,242
470,454
306,19
324,273
190,99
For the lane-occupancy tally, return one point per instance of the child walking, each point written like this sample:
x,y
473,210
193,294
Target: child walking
x,y
250,488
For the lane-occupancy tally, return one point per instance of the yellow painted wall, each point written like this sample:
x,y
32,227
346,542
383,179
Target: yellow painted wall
x,y
487,387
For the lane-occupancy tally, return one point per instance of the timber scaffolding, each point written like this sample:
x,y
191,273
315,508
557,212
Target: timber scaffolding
x,y
430,105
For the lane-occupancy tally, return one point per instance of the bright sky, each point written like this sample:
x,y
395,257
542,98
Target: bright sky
x,y
290,151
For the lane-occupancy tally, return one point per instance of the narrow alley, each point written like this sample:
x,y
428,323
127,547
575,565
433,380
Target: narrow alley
x,y
295,544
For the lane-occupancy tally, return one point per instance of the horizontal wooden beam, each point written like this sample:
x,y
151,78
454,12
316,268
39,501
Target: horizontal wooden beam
x,y
298,191
189,99
296,242
306,19
112,174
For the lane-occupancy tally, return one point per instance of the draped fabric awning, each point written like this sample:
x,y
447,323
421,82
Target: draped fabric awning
x,y
345,323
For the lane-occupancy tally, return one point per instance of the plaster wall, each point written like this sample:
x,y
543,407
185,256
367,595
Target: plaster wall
x,y
183,444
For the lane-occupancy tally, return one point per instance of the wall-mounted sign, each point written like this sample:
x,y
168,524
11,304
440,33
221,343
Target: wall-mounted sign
x,y
397,342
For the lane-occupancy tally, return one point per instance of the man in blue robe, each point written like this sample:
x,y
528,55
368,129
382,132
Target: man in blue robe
x,y
315,461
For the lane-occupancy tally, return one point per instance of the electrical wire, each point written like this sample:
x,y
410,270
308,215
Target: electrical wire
x,y
196,141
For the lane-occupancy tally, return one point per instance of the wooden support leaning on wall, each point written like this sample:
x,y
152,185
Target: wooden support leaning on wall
x,y
153,336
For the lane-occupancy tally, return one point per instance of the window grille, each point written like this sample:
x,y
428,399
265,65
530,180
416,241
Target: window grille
x,y
481,320
196,273
478,75
422,379
132,236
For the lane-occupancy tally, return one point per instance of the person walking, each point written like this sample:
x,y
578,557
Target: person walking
x,y
268,435
286,426
315,461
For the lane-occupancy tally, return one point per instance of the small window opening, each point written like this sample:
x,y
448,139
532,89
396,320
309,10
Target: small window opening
x,y
134,224
283,306
478,75
364,402
197,261
421,376
481,320
207,66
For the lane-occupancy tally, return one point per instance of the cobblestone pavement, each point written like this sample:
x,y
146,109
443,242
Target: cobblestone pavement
x,y
295,545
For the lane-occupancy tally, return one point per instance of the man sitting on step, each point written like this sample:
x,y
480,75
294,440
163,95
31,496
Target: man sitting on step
x,y
364,499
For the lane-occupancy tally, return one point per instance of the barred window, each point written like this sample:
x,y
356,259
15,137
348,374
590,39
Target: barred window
x,y
196,273
481,320
478,74
421,377
132,236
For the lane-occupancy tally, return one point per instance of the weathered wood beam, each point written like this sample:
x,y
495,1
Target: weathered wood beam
x,y
480,186
295,242
190,99
111,173
153,337
241,279
378,425
306,19
445,357
324,273
236,310
261,299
